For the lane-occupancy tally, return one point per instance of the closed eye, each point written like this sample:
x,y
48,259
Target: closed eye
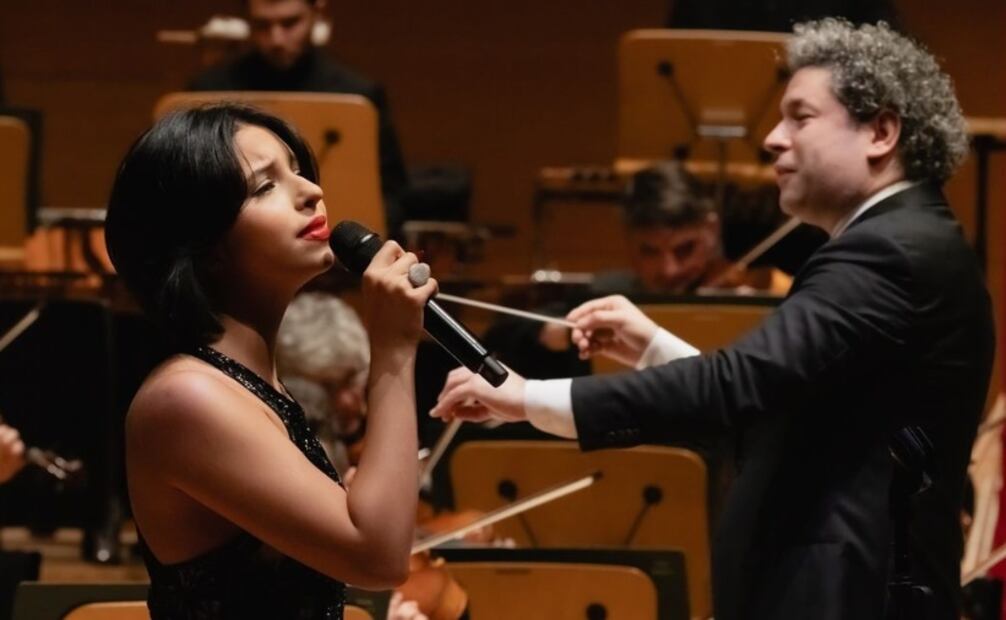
x,y
263,189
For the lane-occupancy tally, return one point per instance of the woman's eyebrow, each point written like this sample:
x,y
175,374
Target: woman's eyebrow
x,y
257,172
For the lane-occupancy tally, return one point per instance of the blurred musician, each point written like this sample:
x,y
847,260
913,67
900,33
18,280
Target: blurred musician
x,y
284,58
323,358
774,15
11,453
888,325
672,232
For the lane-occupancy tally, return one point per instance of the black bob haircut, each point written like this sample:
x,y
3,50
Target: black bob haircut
x,y
177,192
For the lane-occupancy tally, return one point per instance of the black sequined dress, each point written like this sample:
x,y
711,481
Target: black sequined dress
x,y
245,578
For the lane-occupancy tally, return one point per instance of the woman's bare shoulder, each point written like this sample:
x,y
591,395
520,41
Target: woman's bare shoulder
x,y
182,395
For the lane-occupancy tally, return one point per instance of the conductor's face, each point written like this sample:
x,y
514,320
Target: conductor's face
x,y
281,29
821,151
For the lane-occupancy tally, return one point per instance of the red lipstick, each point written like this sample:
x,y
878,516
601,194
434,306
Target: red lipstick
x,y
316,230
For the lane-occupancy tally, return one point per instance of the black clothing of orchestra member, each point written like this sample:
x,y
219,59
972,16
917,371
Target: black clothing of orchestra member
x,y
315,72
888,324
774,15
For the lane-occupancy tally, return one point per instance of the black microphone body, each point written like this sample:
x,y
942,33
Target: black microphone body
x,y
355,246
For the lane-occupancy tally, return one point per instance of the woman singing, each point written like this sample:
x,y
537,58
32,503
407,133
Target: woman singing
x,y
215,221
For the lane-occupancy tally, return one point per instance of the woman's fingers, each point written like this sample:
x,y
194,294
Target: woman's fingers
x,y
386,256
403,263
425,292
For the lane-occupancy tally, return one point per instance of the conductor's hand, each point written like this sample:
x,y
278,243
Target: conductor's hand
x,y
470,397
393,308
11,453
612,326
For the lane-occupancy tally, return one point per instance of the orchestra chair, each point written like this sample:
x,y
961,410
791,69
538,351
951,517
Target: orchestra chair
x,y
80,601
137,610
15,153
352,612
707,327
110,610
340,129
648,497
127,601
507,590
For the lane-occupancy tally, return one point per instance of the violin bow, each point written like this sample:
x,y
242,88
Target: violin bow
x,y
439,448
509,510
21,326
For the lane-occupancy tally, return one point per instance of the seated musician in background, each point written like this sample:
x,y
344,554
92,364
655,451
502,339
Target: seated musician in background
x,y
774,15
11,453
674,238
284,58
888,326
323,358
673,235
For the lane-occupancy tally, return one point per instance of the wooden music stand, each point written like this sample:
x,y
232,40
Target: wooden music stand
x,y
15,152
340,129
507,590
110,610
707,327
664,567
650,497
706,95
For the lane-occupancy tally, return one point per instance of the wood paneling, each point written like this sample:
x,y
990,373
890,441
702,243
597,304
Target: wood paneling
x,y
501,87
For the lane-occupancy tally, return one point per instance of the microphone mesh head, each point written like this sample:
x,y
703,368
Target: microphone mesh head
x,y
354,244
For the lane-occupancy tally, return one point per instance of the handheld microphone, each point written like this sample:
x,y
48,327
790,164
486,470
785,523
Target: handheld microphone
x,y
355,246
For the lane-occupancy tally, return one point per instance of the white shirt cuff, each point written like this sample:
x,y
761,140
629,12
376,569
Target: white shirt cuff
x,y
665,347
549,406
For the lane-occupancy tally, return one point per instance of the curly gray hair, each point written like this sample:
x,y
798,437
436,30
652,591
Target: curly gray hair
x,y
874,69
321,339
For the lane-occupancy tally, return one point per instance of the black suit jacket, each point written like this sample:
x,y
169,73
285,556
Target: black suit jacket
x,y
317,73
886,325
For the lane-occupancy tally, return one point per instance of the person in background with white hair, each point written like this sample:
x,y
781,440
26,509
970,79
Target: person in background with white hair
x,y
323,357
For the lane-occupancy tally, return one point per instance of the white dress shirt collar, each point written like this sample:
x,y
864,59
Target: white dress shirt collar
x,y
887,192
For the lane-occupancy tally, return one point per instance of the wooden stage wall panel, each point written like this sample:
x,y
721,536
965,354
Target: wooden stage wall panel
x,y
503,88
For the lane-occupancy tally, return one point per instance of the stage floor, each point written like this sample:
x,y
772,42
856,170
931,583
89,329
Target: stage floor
x,y
62,562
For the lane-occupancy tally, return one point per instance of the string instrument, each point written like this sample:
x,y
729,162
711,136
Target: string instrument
x,y
428,520
430,583
51,463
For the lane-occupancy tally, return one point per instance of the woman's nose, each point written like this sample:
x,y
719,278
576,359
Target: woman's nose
x,y
310,194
